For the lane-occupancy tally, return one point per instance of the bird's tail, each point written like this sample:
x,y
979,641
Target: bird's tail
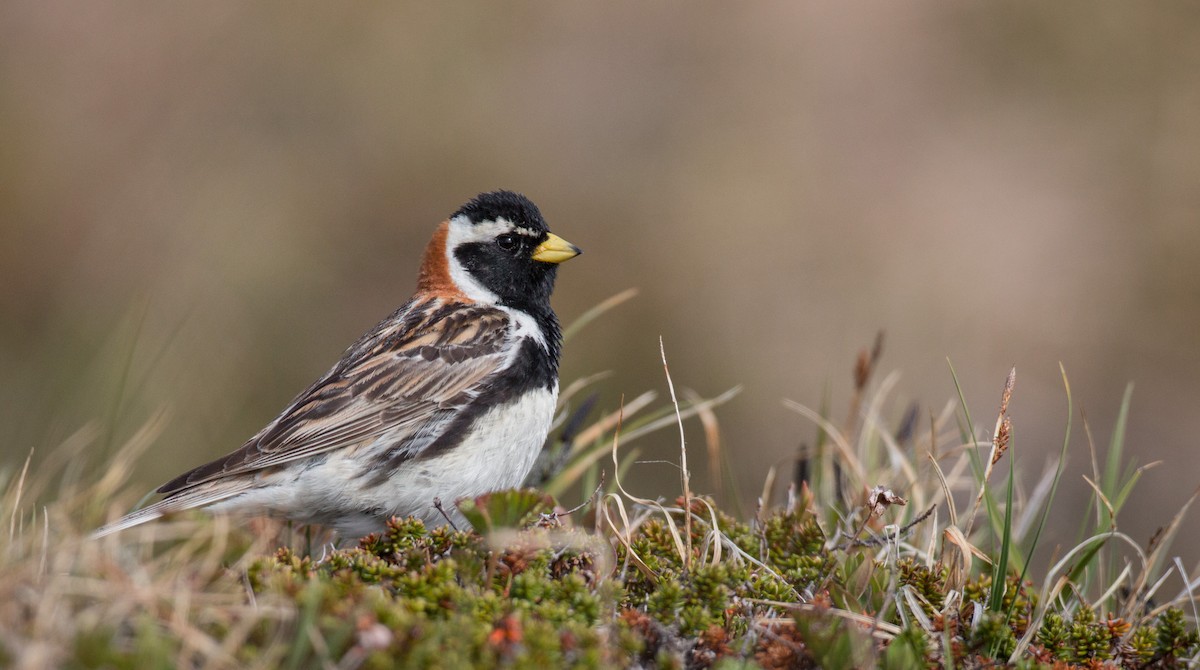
x,y
184,500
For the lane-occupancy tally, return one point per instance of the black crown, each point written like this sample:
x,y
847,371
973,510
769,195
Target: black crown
x,y
514,207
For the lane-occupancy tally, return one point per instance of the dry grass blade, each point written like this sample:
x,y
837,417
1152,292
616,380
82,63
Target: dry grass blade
x,y
579,384
898,459
945,486
211,595
595,312
849,458
1096,473
1057,579
873,424
1116,585
674,530
575,469
960,568
714,537
16,501
1155,558
683,464
624,534
712,438
116,475
880,629
682,540
687,413
764,500
916,604
1112,515
1188,595
611,420
955,537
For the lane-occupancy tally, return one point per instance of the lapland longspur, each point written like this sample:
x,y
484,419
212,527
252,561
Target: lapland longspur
x,y
450,396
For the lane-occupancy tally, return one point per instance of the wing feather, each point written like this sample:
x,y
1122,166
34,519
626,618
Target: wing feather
x,y
403,382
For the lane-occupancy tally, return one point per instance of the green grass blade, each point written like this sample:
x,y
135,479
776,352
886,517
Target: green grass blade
x,y
969,437
993,511
996,601
1062,460
1112,467
1126,489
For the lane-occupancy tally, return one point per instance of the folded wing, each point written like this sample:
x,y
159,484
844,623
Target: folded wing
x,y
402,383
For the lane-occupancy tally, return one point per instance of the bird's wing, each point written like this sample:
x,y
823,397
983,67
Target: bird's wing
x,y
405,381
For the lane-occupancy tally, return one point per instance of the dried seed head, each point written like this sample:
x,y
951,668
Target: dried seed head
x,y
862,370
866,362
1009,382
1155,538
879,499
1002,437
1003,433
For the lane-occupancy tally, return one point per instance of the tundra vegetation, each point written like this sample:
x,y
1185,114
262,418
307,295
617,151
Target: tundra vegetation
x,y
896,539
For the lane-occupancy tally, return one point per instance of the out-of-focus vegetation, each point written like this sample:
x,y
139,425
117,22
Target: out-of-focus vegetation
x,y
842,572
202,206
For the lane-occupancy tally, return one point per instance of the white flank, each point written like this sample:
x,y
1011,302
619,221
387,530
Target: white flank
x,y
497,454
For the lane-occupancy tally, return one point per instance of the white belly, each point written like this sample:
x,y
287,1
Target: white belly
x,y
498,453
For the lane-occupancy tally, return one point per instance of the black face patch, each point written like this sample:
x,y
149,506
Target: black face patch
x,y
504,264
506,267
510,273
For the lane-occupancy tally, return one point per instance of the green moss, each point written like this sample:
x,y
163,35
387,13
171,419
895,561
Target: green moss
x,y
1176,640
548,597
1054,634
1142,645
993,637
443,598
910,650
930,584
1085,640
1017,605
796,547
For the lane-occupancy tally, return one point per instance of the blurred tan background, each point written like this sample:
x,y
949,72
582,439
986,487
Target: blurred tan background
x,y
201,205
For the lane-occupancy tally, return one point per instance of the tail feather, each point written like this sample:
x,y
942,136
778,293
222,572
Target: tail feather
x,y
193,499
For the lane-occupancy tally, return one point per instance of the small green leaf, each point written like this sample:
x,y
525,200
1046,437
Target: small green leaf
x,y
514,508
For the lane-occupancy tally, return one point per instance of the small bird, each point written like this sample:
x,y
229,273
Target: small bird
x,y
450,396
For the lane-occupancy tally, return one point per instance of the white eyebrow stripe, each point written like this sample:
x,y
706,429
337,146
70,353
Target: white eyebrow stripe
x,y
484,230
480,232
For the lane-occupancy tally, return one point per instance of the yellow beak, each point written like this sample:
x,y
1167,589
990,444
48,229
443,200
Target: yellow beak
x,y
555,250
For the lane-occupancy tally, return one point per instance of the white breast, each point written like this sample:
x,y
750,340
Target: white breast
x,y
497,454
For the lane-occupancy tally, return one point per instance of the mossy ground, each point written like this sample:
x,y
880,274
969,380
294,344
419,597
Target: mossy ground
x,y
544,594
843,573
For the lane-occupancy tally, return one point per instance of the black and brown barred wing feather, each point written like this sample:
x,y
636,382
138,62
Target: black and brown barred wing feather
x,y
425,360
402,383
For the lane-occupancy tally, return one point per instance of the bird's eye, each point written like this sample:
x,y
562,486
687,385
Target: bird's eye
x,y
507,242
